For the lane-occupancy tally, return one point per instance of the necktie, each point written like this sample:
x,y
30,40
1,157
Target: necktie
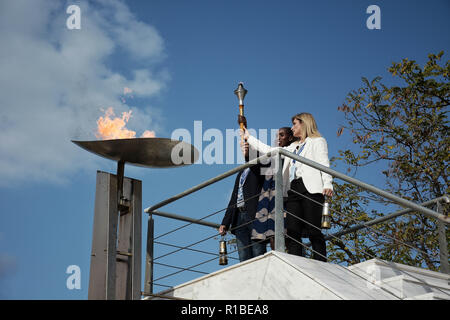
x,y
292,167
240,197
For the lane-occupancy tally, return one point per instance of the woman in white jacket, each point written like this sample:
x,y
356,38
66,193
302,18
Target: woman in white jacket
x,y
302,183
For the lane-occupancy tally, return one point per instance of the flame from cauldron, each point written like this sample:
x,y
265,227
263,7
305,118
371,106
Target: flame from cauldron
x,y
111,127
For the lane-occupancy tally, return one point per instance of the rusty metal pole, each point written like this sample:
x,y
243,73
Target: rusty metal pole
x,y
148,286
279,218
121,201
443,243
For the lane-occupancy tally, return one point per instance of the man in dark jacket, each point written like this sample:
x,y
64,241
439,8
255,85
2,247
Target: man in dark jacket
x,y
242,209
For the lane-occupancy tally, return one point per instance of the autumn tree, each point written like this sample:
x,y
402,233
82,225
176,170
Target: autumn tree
x,y
402,129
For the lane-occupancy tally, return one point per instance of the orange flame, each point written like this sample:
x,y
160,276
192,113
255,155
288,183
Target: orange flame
x,y
111,127
148,134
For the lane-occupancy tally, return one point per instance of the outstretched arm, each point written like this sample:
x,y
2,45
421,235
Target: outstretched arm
x,y
255,143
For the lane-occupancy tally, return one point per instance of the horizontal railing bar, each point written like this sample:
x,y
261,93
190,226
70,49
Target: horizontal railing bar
x,y
190,249
179,268
184,218
385,218
148,294
210,181
385,194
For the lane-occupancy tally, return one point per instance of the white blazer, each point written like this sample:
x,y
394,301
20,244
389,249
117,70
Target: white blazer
x,y
315,149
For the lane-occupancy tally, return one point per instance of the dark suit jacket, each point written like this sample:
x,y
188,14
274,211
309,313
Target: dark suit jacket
x,y
252,187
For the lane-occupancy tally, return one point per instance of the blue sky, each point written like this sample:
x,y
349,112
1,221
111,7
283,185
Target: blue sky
x,y
183,60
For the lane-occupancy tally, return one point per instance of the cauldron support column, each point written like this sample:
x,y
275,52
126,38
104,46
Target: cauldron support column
x,y
115,271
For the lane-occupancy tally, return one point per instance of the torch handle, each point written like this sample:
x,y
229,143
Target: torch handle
x,y
241,112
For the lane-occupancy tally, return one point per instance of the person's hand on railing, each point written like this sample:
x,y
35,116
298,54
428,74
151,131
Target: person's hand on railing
x,y
222,230
328,192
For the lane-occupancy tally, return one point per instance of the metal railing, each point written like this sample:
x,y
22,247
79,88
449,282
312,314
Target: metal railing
x,y
148,288
277,153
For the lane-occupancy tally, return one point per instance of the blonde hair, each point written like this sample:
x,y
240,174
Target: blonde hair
x,y
309,127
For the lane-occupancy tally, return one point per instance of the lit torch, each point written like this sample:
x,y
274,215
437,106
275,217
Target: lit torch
x,y
240,92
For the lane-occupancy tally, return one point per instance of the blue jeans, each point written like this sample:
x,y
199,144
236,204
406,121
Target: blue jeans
x,y
247,248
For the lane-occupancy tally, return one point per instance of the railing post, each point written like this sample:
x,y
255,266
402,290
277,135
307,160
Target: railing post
x,y
148,285
443,245
279,218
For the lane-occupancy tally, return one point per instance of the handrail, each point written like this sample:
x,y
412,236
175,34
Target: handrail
x,y
385,194
210,181
318,166
385,218
184,218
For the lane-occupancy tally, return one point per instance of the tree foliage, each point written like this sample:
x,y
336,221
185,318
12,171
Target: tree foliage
x,y
404,130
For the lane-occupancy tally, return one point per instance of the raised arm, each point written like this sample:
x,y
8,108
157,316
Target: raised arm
x,y
255,143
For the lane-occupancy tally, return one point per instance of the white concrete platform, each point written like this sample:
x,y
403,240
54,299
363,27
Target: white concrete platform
x,y
280,276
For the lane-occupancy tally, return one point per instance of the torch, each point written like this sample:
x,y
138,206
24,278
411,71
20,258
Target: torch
x,y
240,92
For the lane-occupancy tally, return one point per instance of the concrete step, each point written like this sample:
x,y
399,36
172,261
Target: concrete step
x,y
376,271
405,286
429,296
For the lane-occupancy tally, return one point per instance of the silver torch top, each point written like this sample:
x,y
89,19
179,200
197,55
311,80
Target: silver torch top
x,y
240,92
